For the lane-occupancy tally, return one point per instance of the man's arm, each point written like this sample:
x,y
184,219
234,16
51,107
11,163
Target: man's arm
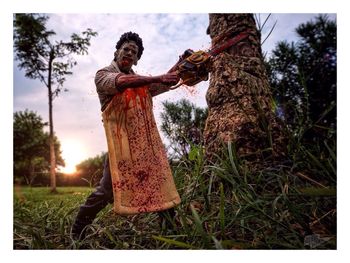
x,y
124,81
110,83
158,88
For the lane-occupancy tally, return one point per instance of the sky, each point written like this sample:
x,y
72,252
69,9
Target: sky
x,y
76,113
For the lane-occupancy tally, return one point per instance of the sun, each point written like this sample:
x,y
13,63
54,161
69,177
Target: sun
x,y
73,153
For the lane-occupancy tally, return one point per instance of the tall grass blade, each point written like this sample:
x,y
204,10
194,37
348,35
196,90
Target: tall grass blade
x,y
199,227
222,209
217,243
331,152
233,158
184,222
315,160
173,242
111,237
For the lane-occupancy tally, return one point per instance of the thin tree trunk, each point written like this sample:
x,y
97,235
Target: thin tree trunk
x,y
241,109
51,138
31,173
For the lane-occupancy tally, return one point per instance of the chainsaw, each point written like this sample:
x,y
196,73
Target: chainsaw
x,y
194,66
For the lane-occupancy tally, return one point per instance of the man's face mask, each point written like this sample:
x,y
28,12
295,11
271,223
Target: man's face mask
x,y
127,55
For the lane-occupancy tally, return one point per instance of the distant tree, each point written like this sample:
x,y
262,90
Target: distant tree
x,y
91,169
183,123
31,151
47,60
303,79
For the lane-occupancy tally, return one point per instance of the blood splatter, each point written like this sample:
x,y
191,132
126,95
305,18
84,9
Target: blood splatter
x,y
191,90
142,175
143,171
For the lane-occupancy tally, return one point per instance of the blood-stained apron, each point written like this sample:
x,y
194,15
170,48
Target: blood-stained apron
x,y
141,175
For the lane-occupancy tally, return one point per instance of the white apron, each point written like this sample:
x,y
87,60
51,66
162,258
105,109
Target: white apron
x,y
141,176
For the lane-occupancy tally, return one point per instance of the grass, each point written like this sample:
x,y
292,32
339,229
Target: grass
x,y
224,205
42,220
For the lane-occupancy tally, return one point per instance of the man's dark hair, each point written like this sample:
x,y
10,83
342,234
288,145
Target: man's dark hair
x,y
130,36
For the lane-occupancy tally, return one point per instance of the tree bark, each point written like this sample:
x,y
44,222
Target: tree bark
x,y
241,109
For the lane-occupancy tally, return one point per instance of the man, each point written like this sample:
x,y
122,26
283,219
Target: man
x,y
117,83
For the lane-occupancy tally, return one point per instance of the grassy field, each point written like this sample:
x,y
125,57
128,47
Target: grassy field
x,y
223,207
43,220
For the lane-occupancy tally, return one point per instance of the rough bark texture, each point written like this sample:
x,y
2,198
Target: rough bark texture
x,y
241,108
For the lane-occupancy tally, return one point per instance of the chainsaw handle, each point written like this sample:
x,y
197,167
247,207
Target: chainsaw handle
x,y
186,54
177,85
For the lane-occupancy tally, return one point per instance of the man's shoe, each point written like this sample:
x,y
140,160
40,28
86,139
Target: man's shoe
x,y
78,232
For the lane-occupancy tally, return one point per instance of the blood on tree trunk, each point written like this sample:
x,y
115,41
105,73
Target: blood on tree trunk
x,y
241,109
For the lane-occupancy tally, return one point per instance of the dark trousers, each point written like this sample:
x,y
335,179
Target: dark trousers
x,y
99,199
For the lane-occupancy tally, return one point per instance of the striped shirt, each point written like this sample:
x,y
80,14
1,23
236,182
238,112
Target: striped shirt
x,y
105,81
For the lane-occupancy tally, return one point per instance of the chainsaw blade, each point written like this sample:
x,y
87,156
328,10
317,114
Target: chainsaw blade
x,y
231,42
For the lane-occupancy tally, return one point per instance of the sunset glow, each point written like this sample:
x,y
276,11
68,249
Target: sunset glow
x,y
73,153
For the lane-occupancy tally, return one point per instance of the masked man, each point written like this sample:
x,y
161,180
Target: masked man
x,y
136,177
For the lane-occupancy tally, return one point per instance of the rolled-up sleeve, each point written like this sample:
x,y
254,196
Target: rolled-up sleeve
x,y
105,82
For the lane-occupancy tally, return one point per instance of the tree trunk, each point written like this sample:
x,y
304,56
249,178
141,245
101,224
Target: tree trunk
x,y
31,172
51,138
241,109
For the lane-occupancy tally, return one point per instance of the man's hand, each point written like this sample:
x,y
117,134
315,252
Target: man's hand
x,y
169,79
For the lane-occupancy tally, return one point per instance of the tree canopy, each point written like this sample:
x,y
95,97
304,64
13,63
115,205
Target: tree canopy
x,y
183,124
303,78
91,169
31,146
36,51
